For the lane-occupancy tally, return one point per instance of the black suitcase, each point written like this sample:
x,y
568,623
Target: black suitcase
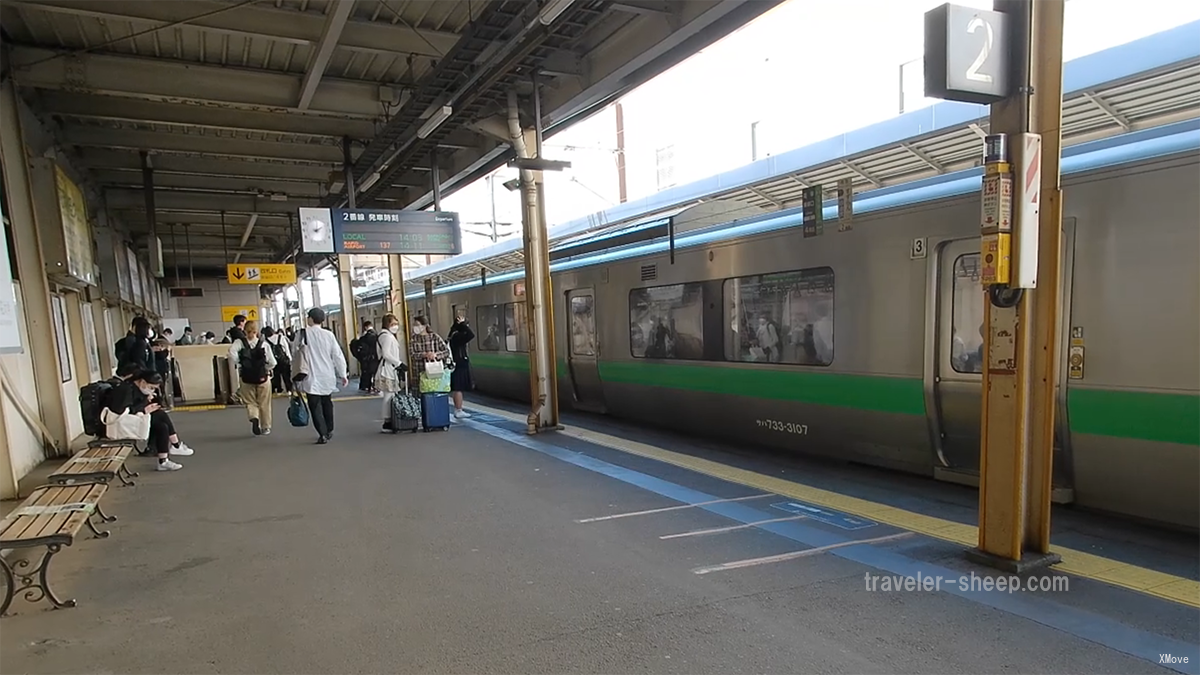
x,y
405,412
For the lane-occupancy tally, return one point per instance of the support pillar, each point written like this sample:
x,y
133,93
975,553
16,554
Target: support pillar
x,y
397,304
35,289
542,372
1020,374
346,263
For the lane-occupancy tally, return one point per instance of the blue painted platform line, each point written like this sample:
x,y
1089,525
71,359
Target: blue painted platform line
x,y
1081,623
827,516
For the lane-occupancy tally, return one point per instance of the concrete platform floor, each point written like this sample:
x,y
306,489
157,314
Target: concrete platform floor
x,y
463,552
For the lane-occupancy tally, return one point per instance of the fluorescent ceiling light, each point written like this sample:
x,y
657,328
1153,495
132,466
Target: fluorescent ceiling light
x,y
435,120
552,10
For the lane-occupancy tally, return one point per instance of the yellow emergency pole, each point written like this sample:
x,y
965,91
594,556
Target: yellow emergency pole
x,y
1021,343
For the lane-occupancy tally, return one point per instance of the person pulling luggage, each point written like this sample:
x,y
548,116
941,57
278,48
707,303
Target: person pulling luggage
x,y
387,379
431,359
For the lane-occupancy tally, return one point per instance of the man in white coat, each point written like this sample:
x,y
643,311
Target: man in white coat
x,y
326,370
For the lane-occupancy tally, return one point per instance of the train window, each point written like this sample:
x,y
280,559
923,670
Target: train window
x,y
488,319
667,322
966,324
786,317
583,325
516,333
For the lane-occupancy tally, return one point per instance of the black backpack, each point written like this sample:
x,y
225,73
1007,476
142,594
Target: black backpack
x,y
368,347
252,362
281,354
93,398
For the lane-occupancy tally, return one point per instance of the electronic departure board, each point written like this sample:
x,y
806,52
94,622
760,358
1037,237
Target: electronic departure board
x,y
373,231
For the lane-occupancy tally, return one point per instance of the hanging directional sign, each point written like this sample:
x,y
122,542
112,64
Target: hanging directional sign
x,y
374,231
248,311
261,273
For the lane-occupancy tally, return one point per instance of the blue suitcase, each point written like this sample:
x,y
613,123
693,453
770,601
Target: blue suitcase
x,y
435,411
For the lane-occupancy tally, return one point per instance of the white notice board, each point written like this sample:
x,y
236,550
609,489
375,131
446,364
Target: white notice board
x,y
10,327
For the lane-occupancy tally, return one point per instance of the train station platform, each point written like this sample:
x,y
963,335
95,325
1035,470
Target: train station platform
x,y
601,548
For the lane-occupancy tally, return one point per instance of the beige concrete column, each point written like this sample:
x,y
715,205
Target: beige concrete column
x,y
30,268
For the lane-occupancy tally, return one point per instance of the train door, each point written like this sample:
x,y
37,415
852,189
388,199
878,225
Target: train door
x,y
958,379
958,363
583,350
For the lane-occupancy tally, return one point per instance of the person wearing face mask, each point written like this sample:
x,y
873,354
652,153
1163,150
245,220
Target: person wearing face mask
x,y
136,395
134,349
460,337
426,345
387,379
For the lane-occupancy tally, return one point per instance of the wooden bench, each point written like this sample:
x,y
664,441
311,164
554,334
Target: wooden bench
x,y
99,463
50,517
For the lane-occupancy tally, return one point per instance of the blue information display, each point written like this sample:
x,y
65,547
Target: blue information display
x,y
827,516
374,231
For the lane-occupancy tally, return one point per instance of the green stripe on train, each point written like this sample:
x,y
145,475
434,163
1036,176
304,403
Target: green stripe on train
x,y
1172,418
1167,418
884,394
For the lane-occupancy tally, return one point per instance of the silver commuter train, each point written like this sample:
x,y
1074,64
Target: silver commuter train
x,y
864,345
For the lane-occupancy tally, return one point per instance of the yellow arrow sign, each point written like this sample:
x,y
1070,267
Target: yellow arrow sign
x,y
250,312
261,273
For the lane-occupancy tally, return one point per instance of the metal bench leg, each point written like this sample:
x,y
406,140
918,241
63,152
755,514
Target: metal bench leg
x,y
92,527
105,518
121,475
128,473
34,582
10,586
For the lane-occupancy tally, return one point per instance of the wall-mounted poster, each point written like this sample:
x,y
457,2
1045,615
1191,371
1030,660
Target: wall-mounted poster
x,y
10,328
77,232
121,254
89,337
59,316
135,279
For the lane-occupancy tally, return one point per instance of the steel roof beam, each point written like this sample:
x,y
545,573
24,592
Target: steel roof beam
x,y
921,155
132,110
335,22
1108,110
129,179
183,164
302,29
778,204
178,82
861,173
134,200
96,137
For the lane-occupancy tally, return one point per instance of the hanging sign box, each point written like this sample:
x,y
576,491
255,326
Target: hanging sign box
x,y
62,218
379,232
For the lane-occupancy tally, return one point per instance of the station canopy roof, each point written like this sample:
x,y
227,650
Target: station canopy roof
x,y
242,105
1139,85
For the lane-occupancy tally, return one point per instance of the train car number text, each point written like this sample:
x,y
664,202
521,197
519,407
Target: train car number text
x,y
789,427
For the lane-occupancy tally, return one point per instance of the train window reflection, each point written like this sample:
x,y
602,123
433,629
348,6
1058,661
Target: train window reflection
x,y
786,317
516,333
583,325
667,322
488,331
966,323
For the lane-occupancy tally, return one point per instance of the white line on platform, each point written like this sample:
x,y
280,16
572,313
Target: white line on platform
x,y
670,508
751,562
731,528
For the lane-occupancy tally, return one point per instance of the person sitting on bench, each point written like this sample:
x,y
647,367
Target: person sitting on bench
x,y
138,394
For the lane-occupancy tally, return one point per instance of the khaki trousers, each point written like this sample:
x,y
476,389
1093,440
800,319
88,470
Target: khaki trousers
x,y
257,398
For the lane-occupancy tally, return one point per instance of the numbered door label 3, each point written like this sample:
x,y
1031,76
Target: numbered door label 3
x,y
918,248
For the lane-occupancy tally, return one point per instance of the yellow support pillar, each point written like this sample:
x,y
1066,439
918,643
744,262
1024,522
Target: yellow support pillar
x,y
1021,343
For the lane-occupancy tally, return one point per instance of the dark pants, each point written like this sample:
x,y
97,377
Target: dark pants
x,y
321,409
281,381
161,430
366,380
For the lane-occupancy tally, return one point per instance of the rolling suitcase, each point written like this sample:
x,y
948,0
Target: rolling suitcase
x,y
405,413
435,411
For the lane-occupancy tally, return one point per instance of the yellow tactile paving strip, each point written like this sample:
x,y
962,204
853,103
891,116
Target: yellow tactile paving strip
x,y
1141,579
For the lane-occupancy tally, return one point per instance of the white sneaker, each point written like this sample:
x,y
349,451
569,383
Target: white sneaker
x,y
183,450
463,414
266,432
169,466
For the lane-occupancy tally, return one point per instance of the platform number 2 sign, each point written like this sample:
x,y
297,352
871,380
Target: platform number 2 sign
x,y
917,252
